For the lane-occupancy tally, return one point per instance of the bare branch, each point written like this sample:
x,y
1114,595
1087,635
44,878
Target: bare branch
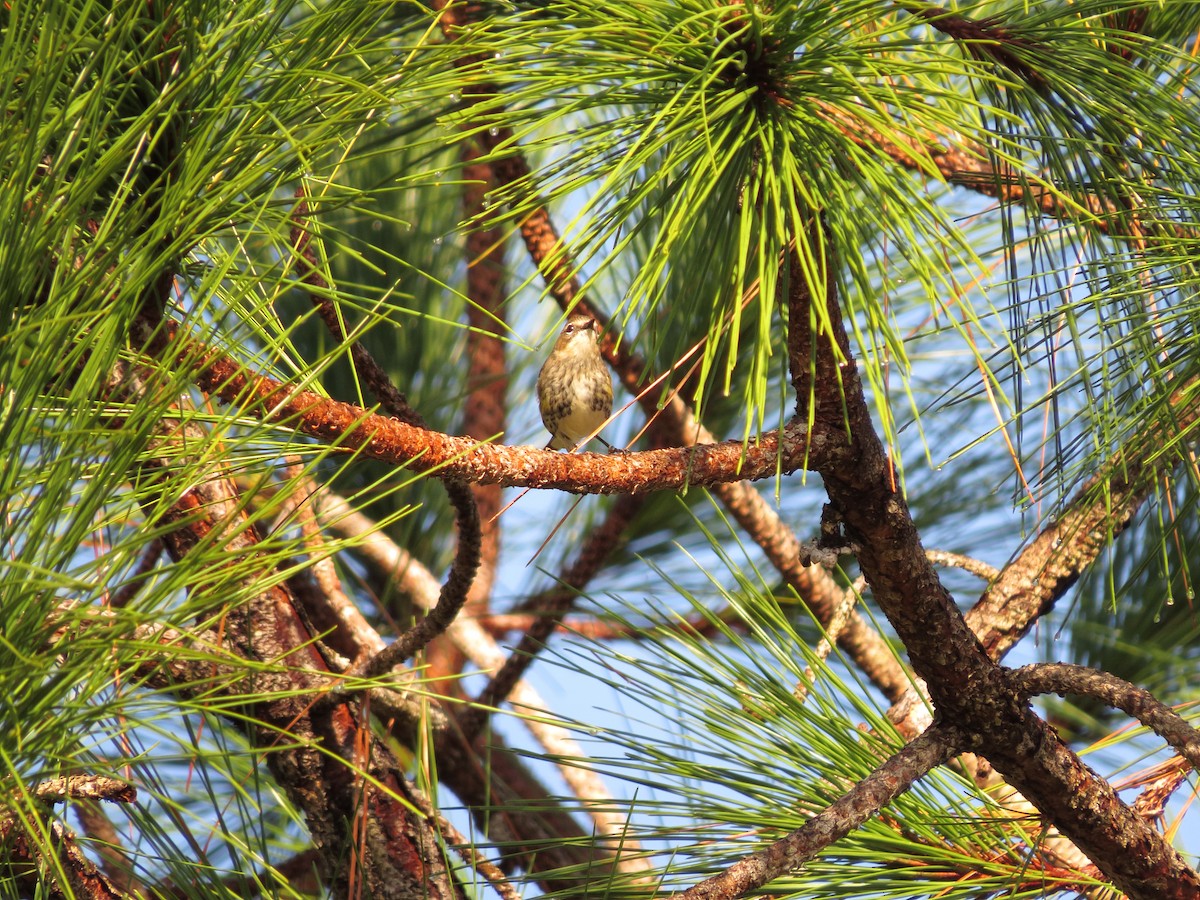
x,y
549,612
1063,679
1031,584
466,514
967,563
85,787
555,845
387,439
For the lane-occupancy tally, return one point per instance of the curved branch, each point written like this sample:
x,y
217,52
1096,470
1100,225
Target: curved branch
x,y
1064,678
451,597
466,514
502,778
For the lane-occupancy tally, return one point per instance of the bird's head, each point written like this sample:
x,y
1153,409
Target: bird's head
x,y
578,335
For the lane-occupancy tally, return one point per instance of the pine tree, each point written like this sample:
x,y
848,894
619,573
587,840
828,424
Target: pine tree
x,y
901,306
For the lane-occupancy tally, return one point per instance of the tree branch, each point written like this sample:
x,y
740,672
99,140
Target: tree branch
x,y
484,409
85,787
1063,679
466,514
546,837
549,611
912,761
26,863
985,39
365,832
967,688
1031,584
378,437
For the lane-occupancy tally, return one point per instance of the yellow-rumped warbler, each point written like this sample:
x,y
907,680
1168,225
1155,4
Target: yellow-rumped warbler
x,y
574,388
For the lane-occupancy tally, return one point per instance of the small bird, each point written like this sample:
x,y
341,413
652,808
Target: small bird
x,y
574,388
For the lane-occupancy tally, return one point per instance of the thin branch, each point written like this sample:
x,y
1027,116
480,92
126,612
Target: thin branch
x,y
1032,584
463,846
85,787
453,594
699,625
961,162
382,554
969,564
870,795
1157,787
1063,679
825,646
376,379
146,564
549,612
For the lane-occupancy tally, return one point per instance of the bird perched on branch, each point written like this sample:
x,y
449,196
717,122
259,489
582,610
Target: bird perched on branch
x,y
574,388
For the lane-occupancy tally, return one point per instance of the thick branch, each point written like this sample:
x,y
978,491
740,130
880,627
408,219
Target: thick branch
x,y
966,687
485,406
26,864
387,439
1032,583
